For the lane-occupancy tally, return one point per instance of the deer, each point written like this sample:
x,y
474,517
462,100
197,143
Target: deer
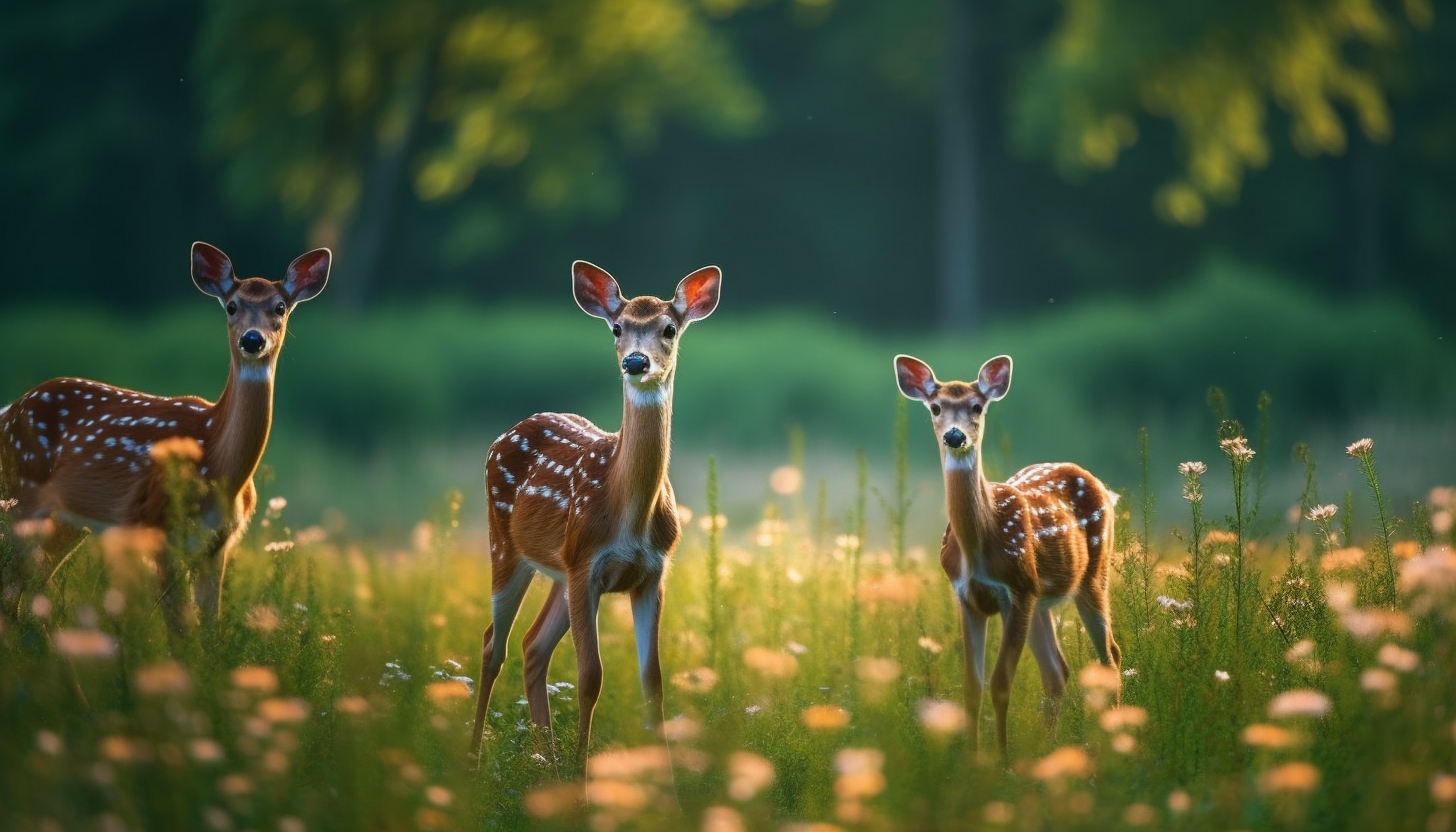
x,y
593,511
1015,548
80,453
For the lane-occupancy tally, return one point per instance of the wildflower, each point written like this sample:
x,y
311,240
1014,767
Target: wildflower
x,y
1139,814
876,671
1441,522
278,546
1124,743
1299,702
84,644
1217,537
998,812
1067,761
162,679
680,729
1123,717
1179,801
619,795
714,522
648,762
748,774
1237,448
283,709
49,742
276,505
930,645
1340,596
941,717
439,795
1173,603
1289,777
1221,675
1192,468
1300,651
772,664
1100,677
846,541
1321,513
176,447
444,690
551,800
1360,447
1396,657
698,680
1378,680
860,773
1350,557
205,750
1431,579
1405,549
127,543
722,819
352,705
786,480
796,648
890,589
7,505
1370,624
825,717
262,618
256,678
1443,788
1263,735
751,710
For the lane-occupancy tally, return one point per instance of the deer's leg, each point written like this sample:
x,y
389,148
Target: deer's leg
x,y
1096,617
541,640
583,599
646,621
208,576
505,602
1017,617
1052,664
973,632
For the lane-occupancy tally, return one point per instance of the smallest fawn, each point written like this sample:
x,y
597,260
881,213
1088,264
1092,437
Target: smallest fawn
x,y
1016,548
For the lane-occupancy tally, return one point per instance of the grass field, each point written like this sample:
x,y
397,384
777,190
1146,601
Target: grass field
x,y
1281,672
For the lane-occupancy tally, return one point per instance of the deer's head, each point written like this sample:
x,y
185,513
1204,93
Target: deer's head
x,y
258,308
647,329
957,409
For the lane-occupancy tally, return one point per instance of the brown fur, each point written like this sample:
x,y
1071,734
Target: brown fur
x,y
1016,548
593,510
78,451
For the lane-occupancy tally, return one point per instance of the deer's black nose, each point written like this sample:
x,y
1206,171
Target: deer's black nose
x,y
252,342
954,438
636,364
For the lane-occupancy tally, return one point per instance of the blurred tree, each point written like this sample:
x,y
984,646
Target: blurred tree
x,y
343,112
1214,69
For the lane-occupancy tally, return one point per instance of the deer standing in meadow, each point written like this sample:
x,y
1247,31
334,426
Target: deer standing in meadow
x,y
593,511
1015,548
80,453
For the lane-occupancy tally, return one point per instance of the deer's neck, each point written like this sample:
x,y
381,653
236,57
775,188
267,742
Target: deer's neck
x,y
968,501
240,422
640,467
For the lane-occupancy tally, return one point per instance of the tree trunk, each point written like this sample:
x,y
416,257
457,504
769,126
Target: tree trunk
x,y
960,260
366,240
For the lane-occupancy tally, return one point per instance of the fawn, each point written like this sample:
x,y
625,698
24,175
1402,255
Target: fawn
x,y
591,510
1016,548
80,453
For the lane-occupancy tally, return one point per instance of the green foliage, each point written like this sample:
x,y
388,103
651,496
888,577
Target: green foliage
x,y
1215,71
318,109
330,696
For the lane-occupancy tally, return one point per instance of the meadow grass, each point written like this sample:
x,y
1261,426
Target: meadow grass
x,y
1279,674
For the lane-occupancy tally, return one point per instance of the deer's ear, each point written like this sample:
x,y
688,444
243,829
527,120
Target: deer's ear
x,y
307,275
995,377
697,294
212,271
915,378
596,292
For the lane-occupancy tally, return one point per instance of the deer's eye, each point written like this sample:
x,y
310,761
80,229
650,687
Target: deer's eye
x,y
669,331
976,408
934,409
616,330
232,307
280,309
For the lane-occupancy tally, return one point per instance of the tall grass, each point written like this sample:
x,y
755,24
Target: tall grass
x,y
1275,682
